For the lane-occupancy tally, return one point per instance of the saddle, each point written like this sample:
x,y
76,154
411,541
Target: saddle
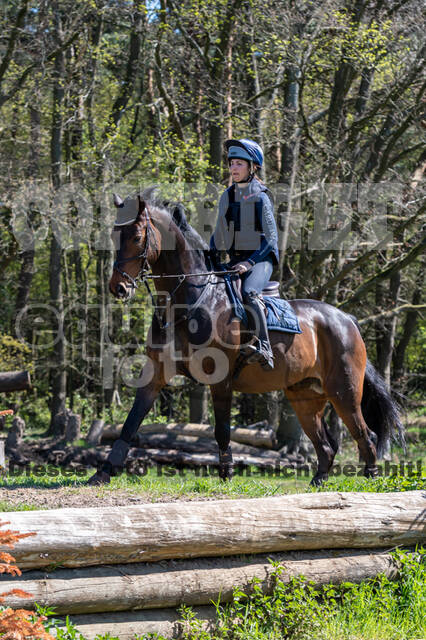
x,y
271,290
279,313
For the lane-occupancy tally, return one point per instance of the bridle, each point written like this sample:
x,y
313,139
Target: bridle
x,y
143,257
143,274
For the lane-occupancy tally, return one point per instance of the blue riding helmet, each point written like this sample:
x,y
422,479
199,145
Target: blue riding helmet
x,y
245,149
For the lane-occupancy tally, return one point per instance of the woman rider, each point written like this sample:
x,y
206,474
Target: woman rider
x,y
246,229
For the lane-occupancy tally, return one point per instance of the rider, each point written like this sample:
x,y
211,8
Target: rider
x,y
246,229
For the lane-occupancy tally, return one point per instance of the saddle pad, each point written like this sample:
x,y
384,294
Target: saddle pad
x,y
279,314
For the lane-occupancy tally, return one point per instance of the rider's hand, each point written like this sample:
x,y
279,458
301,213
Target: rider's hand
x,y
242,267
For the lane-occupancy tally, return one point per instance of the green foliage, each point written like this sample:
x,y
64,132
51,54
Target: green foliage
x,y
14,354
416,481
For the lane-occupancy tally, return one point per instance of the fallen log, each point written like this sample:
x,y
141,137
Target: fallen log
x,y
82,537
193,444
177,458
257,438
126,625
191,582
15,381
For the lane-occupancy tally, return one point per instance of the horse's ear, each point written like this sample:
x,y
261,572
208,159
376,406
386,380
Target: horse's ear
x,y
118,202
142,206
178,215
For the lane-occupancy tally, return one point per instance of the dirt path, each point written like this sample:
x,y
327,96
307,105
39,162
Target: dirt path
x,y
66,497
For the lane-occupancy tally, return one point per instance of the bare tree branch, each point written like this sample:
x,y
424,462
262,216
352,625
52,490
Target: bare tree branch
x,y
392,312
20,81
396,265
7,58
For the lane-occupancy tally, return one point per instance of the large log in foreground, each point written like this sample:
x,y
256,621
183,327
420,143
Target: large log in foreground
x,y
15,381
129,624
191,582
82,537
256,438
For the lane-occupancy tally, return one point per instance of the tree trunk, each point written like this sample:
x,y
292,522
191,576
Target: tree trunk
x,y
410,322
198,404
289,156
27,270
58,373
289,432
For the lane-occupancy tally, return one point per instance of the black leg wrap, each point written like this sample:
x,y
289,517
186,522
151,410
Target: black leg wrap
x,y
319,479
226,464
371,471
118,453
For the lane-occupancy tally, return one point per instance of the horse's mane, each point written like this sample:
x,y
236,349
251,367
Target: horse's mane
x,y
175,211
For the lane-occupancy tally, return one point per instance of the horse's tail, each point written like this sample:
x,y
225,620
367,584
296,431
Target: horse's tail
x,y
380,411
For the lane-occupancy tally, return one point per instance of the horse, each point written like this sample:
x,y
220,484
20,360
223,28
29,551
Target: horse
x,y
200,337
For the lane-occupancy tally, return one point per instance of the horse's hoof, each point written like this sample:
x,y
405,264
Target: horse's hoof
x,y
318,479
371,471
226,465
98,479
226,472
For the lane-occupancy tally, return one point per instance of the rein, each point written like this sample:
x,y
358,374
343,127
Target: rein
x,y
144,274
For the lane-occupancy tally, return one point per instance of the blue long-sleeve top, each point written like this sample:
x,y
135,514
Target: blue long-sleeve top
x,y
246,226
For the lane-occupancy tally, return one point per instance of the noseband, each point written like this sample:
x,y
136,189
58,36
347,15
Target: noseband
x,y
141,256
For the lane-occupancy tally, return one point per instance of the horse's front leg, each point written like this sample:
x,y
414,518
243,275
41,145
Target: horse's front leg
x,y
222,400
143,402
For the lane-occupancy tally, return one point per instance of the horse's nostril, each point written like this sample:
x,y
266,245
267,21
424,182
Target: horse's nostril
x,y
121,290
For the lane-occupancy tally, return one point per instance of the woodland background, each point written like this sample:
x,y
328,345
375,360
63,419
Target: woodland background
x,y
99,92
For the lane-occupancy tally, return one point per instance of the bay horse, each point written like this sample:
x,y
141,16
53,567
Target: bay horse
x,y
201,339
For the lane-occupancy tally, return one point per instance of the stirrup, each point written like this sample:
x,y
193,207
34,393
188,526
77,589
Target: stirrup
x,y
262,354
250,349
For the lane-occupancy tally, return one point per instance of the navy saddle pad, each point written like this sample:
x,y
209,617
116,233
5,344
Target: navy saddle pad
x,y
279,313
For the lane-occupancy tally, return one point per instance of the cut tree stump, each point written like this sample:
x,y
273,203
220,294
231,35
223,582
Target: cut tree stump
x,y
15,434
95,432
150,532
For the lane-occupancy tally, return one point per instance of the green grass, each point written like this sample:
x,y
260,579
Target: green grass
x,y
157,485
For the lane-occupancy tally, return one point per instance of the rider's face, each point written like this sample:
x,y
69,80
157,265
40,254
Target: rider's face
x,y
239,169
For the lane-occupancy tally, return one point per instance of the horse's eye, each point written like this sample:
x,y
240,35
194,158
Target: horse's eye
x,y
137,239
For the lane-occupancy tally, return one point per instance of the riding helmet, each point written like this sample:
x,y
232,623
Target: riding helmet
x,y
245,149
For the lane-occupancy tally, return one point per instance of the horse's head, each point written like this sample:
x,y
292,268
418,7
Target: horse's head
x,y
137,243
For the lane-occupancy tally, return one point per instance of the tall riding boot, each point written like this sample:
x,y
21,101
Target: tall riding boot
x,y
261,350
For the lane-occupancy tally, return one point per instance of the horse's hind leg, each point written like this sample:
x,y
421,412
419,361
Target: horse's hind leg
x,y
344,390
350,412
309,411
